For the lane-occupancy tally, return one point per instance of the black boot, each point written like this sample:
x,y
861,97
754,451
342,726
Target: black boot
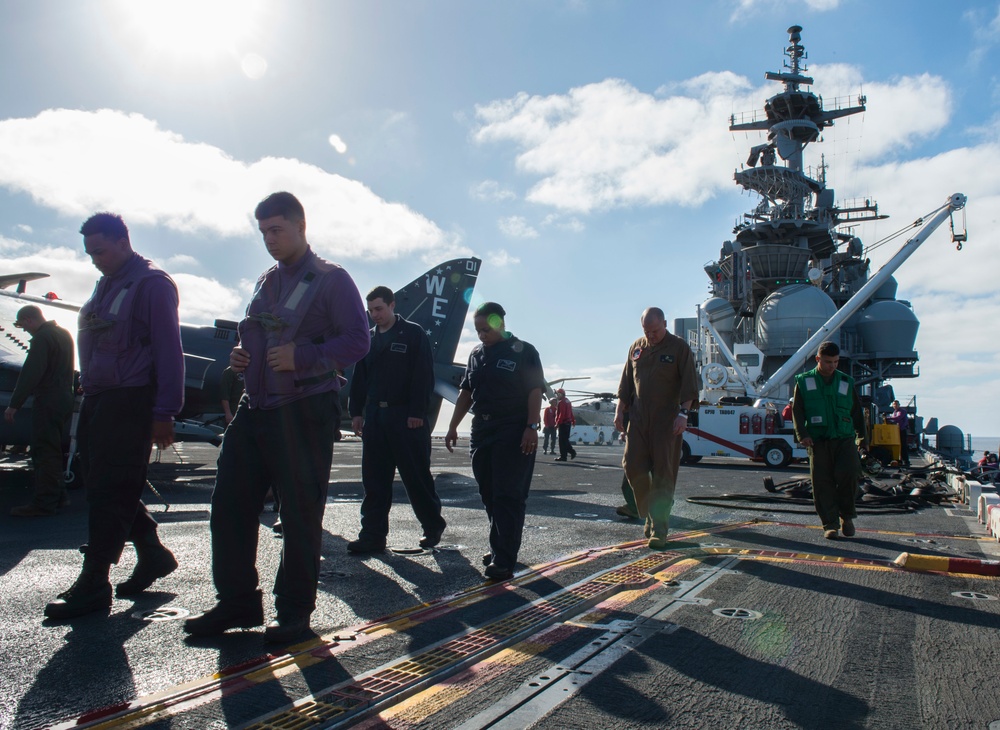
x,y
225,615
155,561
91,592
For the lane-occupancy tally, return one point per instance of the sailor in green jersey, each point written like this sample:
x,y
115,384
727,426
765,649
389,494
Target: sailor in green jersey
x,y
827,416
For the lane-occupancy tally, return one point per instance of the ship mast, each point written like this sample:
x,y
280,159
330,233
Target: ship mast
x,y
792,263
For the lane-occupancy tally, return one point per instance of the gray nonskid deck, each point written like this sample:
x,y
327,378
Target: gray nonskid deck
x,y
693,667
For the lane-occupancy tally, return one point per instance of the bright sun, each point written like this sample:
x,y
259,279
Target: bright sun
x,y
193,30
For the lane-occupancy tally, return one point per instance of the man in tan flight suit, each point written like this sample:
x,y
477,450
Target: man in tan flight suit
x,y
658,386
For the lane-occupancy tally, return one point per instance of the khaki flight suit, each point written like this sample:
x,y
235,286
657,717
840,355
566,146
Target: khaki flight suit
x,y
656,379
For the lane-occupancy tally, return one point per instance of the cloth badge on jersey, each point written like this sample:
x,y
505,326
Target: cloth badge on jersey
x,y
397,347
666,358
507,365
636,353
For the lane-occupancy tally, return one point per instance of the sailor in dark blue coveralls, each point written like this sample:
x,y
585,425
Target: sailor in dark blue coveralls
x,y
390,394
502,387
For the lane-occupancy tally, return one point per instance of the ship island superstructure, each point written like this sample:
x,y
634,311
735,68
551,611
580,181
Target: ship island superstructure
x,y
793,274
791,264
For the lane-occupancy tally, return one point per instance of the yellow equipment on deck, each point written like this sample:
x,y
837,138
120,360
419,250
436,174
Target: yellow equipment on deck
x,y
887,436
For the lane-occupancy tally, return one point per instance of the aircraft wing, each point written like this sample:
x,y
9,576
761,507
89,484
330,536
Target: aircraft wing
x,y
20,279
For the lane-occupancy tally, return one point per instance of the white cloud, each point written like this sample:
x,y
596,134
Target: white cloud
x,y
572,224
10,245
203,299
72,277
899,114
608,145
491,191
744,7
76,162
985,32
23,228
516,227
501,258
181,261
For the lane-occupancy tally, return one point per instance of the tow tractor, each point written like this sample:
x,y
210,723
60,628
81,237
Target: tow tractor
x,y
740,431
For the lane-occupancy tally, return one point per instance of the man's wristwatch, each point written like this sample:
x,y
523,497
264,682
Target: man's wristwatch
x,y
682,413
533,426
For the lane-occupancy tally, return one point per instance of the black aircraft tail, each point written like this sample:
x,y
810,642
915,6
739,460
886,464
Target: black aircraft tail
x,y
439,301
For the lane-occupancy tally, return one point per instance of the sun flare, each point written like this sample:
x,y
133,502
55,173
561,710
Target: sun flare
x,y
193,30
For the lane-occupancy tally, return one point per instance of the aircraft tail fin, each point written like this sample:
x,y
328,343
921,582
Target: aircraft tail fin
x,y
439,301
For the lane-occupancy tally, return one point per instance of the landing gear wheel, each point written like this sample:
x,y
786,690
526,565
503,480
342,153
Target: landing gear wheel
x,y
777,455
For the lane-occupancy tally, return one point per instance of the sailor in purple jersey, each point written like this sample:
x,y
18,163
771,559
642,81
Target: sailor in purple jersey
x,y
132,374
902,419
305,323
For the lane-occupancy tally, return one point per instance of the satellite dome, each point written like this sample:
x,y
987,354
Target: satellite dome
x,y
950,439
887,326
887,290
720,313
790,316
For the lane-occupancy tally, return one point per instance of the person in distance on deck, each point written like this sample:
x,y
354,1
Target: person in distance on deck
x,y
657,387
390,394
564,424
902,419
48,375
502,386
132,374
827,416
304,322
549,427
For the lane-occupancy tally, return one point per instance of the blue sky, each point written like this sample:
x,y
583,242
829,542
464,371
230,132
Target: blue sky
x,y
580,148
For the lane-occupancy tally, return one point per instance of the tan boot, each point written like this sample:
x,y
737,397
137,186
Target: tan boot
x,y
657,535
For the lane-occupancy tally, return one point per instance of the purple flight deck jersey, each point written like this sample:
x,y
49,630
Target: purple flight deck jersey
x,y
129,334
316,305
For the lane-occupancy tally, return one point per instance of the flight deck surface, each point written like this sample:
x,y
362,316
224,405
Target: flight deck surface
x,y
749,619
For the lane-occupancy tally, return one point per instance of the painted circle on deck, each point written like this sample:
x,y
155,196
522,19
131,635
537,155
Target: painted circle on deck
x,y
974,595
163,613
744,614
333,575
410,551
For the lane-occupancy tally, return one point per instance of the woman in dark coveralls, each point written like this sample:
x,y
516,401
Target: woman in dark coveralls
x,y
502,387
